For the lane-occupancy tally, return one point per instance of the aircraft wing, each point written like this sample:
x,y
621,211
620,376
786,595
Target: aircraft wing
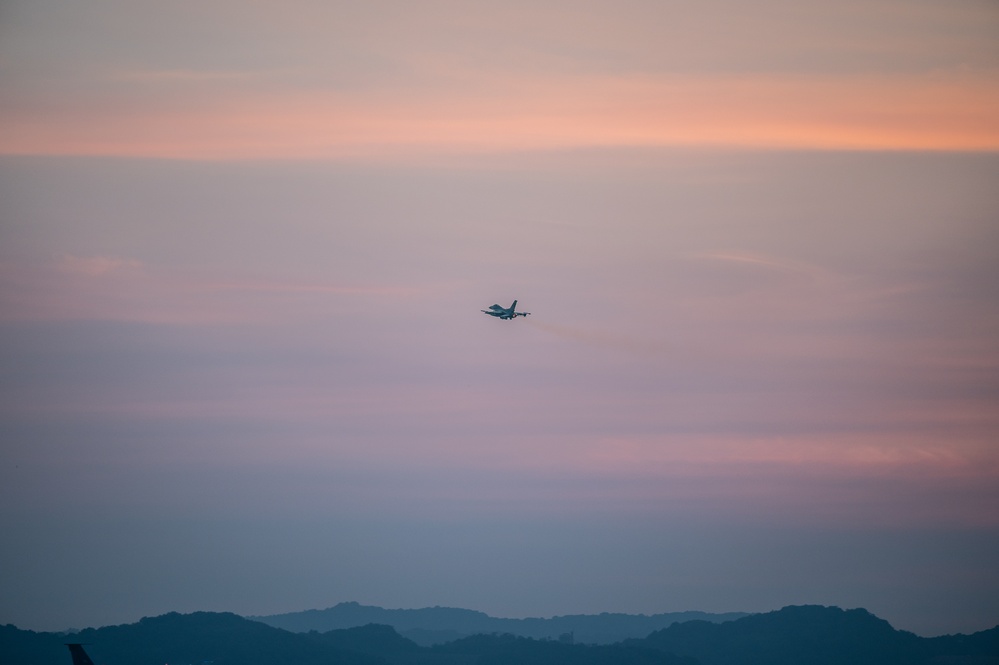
x,y
80,656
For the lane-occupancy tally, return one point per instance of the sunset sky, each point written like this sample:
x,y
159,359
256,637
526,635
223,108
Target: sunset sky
x,y
244,246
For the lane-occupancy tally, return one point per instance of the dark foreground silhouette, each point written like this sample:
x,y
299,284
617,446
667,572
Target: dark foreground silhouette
x,y
794,635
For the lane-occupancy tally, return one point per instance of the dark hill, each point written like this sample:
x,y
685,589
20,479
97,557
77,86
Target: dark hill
x,y
807,635
179,639
818,636
514,650
24,647
372,639
980,648
226,639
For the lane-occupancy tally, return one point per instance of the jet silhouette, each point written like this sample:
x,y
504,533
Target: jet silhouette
x,y
505,313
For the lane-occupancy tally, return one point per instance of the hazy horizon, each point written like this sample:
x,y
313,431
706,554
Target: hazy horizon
x,y
268,615
244,250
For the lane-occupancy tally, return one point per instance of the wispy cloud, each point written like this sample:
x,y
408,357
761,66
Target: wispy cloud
x,y
95,266
319,82
104,288
594,336
277,286
186,75
887,114
761,261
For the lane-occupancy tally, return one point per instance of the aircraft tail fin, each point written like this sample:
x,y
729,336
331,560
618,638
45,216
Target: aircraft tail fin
x,y
513,307
80,656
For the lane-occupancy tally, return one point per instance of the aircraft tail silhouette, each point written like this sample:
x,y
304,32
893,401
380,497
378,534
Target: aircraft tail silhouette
x,y
80,656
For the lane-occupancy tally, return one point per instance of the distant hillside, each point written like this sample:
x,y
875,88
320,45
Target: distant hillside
x,y
493,650
809,635
225,639
819,636
435,625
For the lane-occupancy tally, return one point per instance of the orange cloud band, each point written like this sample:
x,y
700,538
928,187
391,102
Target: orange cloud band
x,y
915,113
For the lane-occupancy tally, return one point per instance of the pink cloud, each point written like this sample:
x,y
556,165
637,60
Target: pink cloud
x,y
524,113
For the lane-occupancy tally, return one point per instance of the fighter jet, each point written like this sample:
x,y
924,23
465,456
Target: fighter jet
x,y
504,312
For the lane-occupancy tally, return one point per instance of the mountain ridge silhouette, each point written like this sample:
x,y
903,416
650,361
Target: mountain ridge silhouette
x,y
434,625
806,634
820,635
